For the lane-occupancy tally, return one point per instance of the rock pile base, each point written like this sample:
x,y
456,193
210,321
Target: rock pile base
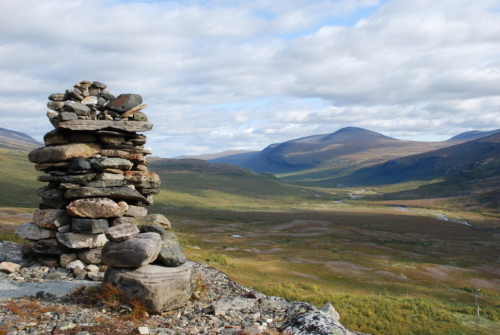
x,y
94,208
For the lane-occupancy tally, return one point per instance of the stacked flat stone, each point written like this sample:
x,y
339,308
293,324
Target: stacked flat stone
x,y
94,207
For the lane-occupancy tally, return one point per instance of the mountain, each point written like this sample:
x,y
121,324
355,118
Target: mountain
x,y
216,155
10,139
472,160
345,150
472,135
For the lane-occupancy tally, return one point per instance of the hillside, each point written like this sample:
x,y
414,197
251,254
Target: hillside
x,y
477,159
15,140
473,135
317,156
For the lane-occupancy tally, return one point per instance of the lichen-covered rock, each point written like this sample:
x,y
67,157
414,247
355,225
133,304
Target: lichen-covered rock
x,y
95,208
122,232
81,241
51,218
152,219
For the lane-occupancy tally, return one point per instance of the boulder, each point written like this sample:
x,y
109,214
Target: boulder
x,y
31,231
131,126
135,252
63,152
330,310
121,193
159,288
67,116
121,232
152,219
171,251
124,102
95,208
51,218
90,256
81,241
91,226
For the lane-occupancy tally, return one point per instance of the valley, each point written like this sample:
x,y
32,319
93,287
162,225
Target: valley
x,y
382,254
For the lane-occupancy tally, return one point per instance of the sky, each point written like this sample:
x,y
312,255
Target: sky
x,y
240,75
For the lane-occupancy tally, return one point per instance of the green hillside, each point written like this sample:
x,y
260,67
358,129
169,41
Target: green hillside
x,y
18,179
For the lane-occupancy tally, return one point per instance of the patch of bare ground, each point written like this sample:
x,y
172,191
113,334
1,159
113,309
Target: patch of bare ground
x,y
443,272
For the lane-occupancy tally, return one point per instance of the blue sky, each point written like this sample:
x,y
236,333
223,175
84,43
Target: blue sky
x,y
224,75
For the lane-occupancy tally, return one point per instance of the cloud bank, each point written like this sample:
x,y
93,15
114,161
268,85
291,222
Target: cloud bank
x,y
221,75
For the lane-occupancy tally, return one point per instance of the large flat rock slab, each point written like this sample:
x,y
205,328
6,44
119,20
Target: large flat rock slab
x,y
64,152
130,126
120,193
159,288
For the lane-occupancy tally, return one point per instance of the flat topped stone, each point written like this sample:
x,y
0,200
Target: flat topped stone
x,y
134,252
65,152
159,288
130,126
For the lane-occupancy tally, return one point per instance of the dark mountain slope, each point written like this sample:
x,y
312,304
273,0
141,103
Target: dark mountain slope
x,y
473,135
10,139
477,159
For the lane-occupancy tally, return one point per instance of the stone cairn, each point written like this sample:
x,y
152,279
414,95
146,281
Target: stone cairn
x,y
93,214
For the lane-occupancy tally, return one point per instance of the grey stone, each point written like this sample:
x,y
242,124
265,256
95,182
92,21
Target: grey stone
x,y
131,126
52,166
78,164
90,256
159,288
72,179
77,108
152,219
57,97
31,231
253,294
95,276
90,100
51,218
171,251
99,84
121,232
109,176
304,318
136,211
275,303
63,152
112,139
330,310
81,241
148,191
139,116
94,91
111,163
107,96
52,197
135,252
124,102
56,105
153,229
122,220
67,116
51,114
92,226
121,193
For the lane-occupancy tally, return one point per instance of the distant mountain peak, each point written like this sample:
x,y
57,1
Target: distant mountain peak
x,y
352,133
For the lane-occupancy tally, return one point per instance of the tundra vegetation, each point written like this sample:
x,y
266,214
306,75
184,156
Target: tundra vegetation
x,y
388,265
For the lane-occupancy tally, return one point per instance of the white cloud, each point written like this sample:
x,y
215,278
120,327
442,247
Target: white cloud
x,y
221,75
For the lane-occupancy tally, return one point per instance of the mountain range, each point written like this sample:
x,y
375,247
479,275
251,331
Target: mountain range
x,y
336,154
